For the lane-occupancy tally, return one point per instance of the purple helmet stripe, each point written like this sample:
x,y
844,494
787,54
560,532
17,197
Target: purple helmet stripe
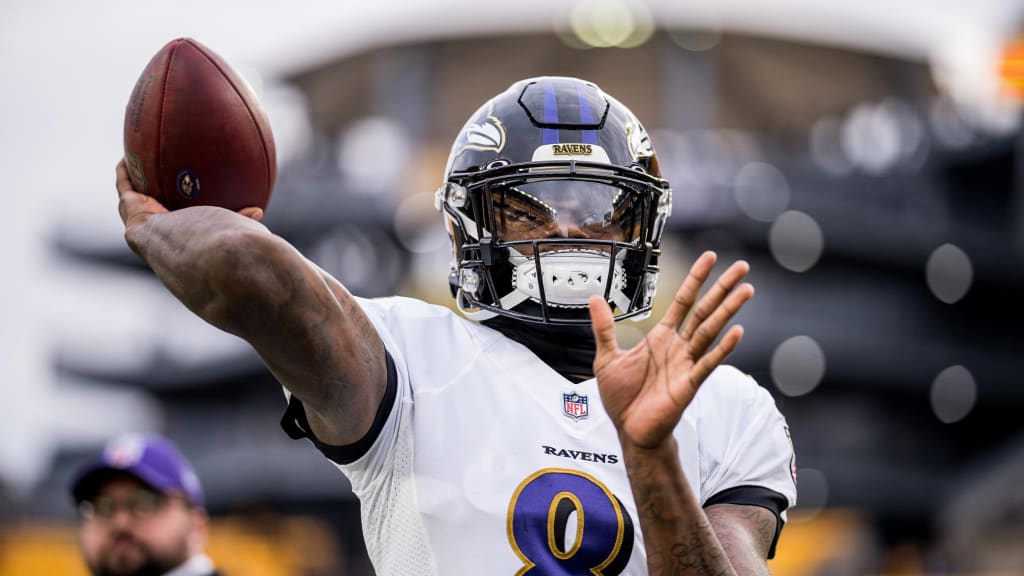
x,y
550,135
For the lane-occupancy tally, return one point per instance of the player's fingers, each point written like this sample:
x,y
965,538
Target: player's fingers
x,y
688,290
132,204
714,297
124,184
708,330
603,323
254,212
716,355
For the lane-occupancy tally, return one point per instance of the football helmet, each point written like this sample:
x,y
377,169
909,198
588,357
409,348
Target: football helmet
x,y
552,193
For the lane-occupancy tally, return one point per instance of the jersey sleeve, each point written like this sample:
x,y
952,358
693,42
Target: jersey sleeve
x,y
746,456
370,456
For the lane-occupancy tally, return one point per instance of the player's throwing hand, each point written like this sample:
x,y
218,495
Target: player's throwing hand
x,y
135,207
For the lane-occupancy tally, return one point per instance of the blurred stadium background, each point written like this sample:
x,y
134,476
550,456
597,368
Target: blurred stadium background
x,y
866,157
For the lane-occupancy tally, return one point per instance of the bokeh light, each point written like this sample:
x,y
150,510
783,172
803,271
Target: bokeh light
x,y
826,147
798,366
953,394
949,273
796,241
761,191
607,23
871,137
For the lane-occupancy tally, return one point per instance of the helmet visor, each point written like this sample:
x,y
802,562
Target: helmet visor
x,y
578,209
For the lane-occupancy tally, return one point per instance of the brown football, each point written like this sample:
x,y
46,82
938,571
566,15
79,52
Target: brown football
x,y
196,134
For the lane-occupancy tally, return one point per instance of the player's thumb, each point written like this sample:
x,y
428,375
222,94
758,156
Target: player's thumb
x,y
254,212
603,323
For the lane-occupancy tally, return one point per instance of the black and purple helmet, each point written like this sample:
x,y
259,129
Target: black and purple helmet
x,y
553,193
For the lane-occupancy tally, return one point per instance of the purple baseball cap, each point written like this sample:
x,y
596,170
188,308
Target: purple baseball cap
x,y
151,458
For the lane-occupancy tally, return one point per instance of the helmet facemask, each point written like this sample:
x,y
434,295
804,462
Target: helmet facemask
x,y
553,194
535,240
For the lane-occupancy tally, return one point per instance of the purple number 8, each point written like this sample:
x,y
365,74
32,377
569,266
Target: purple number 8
x,y
538,517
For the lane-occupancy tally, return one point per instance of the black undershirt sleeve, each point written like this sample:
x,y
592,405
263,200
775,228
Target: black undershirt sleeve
x,y
296,425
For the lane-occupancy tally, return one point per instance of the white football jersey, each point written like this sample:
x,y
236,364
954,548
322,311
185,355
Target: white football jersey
x,y
490,462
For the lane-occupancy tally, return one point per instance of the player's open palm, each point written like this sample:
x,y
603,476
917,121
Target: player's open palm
x,y
645,389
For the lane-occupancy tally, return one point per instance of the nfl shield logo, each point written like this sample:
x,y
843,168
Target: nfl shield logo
x,y
575,405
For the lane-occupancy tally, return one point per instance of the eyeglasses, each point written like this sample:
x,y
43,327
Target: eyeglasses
x,y
141,504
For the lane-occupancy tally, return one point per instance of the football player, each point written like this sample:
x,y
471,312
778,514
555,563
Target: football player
x,y
515,437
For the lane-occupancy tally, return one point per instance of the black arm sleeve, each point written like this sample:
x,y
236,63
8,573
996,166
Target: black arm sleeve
x,y
296,425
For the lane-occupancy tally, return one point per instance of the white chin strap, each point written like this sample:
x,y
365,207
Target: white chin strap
x,y
570,278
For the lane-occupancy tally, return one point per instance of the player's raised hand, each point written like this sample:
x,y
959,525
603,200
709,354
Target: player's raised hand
x,y
645,389
135,206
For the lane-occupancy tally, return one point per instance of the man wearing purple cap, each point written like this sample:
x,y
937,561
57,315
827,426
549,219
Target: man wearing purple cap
x,y
142,511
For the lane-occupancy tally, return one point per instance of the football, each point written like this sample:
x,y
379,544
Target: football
x,y
195,133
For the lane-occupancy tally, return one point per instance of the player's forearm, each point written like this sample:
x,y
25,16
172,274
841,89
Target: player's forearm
x,y
678,536
306,327
200,254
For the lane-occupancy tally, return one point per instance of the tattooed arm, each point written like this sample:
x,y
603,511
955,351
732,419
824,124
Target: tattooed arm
x,y
680,537
645,391
231,271
746,534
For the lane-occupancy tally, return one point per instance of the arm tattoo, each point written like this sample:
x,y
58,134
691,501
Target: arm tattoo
x,y
746,534
696,556
678,537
